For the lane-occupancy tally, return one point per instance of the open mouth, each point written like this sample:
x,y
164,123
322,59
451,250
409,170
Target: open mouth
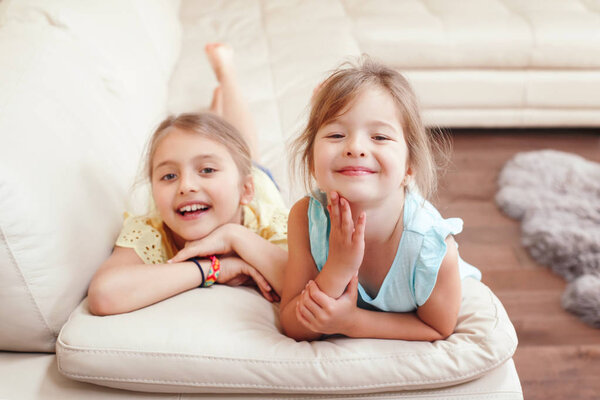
x,y
193,209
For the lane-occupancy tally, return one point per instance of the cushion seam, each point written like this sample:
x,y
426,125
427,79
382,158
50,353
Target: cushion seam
x,y
15,265
454,379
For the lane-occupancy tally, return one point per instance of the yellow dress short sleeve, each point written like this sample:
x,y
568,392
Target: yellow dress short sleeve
x,y
146,236
267,214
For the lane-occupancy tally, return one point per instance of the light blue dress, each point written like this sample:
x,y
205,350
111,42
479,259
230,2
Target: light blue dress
x,y
413,273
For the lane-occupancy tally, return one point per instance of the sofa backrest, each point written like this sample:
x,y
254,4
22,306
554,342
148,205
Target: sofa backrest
x,y
82,84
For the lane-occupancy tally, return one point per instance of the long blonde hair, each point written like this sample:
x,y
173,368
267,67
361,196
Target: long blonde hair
x,y
339,90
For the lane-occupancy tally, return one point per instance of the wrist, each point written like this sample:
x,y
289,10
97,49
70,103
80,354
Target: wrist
x,y
202,270
340,271
209,270
350,327
232,237
333,280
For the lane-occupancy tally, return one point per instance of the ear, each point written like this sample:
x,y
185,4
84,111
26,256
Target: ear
x,y
407,177
247,190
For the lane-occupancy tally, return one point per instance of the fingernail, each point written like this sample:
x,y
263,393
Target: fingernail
x,y
170,261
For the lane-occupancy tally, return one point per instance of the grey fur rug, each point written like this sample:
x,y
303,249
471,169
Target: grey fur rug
x,y
556,196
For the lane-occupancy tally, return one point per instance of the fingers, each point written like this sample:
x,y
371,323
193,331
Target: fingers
x,y
359,228
304,320
334,208
184,254
346,222
309,302
262,284
320,298
303,313
340,214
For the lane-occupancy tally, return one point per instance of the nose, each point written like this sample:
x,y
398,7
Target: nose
x,y
354,147
187,183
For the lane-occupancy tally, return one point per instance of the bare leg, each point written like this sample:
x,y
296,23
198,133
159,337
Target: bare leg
x,y
216,106
230,103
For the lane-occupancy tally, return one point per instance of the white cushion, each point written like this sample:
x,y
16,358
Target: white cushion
x,y
227,340
26,376
83,84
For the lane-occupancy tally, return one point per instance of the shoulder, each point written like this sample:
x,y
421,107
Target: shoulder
x,y
135,227
298,233
299,211
422,217
144,235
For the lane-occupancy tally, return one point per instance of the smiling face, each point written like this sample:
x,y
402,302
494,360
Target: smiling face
x,y
362,153
196,185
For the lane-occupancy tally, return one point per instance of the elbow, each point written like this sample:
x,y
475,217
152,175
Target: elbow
x,y
443,332
295,334
291,328
300,336
100,301
98,306
288,330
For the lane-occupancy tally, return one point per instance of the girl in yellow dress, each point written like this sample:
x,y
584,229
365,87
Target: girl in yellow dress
x,y
217,217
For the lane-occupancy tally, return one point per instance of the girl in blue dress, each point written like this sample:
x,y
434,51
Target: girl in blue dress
x,y
369,256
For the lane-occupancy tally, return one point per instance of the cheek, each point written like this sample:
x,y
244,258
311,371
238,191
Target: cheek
x,y
161,197
321,160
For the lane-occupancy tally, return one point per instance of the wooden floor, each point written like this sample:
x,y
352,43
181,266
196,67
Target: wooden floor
x,y
558,356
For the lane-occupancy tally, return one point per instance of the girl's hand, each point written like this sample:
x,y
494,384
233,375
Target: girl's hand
x,y
236,272
323,314
218,241
346,240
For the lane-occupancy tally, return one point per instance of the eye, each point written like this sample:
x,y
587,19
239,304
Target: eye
x,y
168,177
335,136
379,137
207,170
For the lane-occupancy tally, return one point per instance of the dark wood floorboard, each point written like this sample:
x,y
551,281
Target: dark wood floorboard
x,y
558,356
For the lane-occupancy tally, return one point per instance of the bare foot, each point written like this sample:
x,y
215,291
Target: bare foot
x,y
220,57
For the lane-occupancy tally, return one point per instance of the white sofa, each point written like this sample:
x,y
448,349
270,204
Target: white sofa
x,y
82,84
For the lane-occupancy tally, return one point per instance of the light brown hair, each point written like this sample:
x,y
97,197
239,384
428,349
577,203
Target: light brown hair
x,y
340,89
207,125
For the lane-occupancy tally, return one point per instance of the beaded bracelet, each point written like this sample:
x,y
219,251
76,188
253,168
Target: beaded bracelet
x,y
213,273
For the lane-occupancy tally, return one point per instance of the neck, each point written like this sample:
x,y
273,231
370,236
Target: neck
x,y
384,218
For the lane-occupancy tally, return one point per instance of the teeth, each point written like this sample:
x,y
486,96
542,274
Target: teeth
x,y
193,207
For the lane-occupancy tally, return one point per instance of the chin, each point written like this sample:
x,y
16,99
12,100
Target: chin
x,y
190,235
355,195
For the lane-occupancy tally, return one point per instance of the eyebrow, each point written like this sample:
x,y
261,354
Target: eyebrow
x,y
373,123
200,157
382,123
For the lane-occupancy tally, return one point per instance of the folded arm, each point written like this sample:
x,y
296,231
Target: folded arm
x,y
124,283
434,320
268,258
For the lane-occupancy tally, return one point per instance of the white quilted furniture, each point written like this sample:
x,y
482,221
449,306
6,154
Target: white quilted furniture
x,y
82,84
